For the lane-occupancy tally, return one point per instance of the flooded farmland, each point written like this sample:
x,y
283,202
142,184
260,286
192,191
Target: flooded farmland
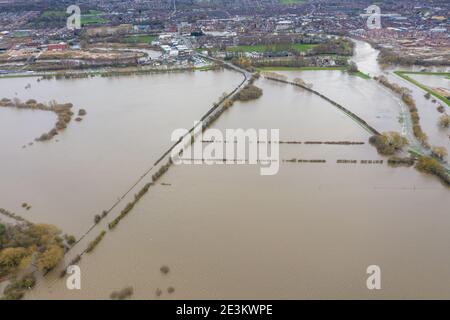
x,y
129,121
225,231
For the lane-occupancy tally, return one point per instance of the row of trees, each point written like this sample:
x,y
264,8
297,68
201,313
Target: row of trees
x,y
25,245
249,92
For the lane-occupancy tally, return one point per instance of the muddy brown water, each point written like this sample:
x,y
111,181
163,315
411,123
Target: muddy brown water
x,y
310,231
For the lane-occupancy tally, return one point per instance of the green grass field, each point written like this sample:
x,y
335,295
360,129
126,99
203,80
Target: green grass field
x,y
92,18
52,14
403,74
262,48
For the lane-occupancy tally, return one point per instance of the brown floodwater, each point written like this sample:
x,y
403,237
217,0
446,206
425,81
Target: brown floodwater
x,y
308,232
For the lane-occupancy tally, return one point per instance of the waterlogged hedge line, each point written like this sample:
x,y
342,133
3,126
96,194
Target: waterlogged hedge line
x,y
397,161
292,142
130,205
74,261
305,161
347,161
95,242
372,161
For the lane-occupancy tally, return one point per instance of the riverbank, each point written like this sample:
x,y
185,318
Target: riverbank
x,y
111,72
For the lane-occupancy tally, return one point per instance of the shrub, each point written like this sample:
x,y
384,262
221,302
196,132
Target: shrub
x,y
249,92
439,152
70,239
165,269
16,289
388,143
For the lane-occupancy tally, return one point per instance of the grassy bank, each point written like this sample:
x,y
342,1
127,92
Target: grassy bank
x,y
403,75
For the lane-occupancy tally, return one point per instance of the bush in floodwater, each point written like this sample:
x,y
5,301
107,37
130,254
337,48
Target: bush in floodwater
x,y
164,269
397,161
249,92
444,121
388,143
123,213
122,294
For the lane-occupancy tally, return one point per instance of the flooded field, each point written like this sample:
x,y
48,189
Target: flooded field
x,y
308,232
